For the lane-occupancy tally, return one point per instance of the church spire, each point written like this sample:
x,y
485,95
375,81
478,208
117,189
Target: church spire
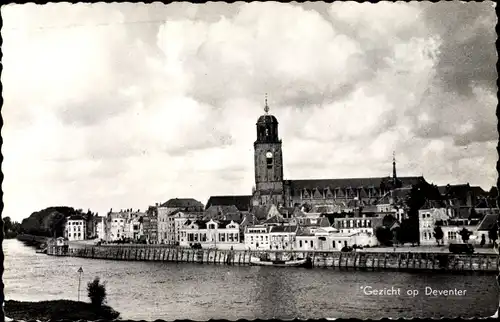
x,y
266,108
394,176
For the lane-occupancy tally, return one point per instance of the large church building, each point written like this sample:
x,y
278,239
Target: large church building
x,y
272,188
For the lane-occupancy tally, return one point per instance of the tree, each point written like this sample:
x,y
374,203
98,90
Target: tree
x,y
96,292
11,229
438,234
465,233
384,235
409,231
493,234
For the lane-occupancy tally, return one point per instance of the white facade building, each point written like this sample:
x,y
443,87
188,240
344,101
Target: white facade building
x,y
358,225
76,228
116,223
427,222
101,227
210,234
257,237
282,237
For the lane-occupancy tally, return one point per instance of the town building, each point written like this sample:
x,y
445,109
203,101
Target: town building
x,y
257,237
100,224
452,228
116,222
150,225
166,227
363,224
210,234
428,215
282,237
310,221
76,228
461,198
175,222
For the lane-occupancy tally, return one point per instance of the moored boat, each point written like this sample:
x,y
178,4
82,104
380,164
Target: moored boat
x,y
278,263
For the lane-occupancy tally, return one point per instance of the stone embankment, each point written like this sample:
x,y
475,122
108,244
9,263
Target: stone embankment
x,y
327,259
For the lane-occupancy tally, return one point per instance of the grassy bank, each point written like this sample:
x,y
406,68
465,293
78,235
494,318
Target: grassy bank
x,y
32,240
58,310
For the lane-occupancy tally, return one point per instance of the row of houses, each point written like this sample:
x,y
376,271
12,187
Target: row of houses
x,y
184,221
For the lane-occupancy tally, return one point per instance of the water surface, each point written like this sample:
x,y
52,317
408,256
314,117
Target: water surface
x,y
156,290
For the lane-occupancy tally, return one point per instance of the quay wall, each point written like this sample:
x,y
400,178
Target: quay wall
x,y
320,259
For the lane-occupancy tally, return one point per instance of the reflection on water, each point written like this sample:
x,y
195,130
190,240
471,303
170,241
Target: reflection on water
x,y
154,290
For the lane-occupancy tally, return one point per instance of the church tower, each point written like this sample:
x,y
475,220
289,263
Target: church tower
x,y
268,161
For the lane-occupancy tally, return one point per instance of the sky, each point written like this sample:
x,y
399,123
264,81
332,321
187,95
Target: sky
x,y
125,105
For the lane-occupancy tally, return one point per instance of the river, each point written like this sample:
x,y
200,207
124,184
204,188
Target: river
x,y
157,290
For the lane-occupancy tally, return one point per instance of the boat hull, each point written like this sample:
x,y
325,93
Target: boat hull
x,y
289,263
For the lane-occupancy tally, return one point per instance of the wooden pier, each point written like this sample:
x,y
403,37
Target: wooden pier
x,y
321,259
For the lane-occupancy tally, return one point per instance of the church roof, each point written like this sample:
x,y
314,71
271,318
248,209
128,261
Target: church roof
x,y
241,202
348,183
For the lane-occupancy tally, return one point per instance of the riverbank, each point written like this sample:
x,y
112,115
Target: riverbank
x,y
32,240
359,260
58,310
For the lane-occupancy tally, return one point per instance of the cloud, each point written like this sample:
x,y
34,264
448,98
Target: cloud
x,y
124,105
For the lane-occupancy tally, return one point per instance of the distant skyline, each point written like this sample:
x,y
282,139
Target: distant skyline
x,y
124,105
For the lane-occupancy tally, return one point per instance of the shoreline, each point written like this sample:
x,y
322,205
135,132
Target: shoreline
x,y
359,260
57,310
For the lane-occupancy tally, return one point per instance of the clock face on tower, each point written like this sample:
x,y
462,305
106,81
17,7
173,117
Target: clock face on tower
x,y
269,155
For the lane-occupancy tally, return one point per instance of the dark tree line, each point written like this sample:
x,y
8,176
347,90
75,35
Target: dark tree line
x,y
50,222
11,229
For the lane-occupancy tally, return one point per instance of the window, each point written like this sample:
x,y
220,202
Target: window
x,y
79,235
300,243
333,244
69,235
312,244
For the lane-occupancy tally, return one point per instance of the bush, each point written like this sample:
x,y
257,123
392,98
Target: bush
x,y
96,292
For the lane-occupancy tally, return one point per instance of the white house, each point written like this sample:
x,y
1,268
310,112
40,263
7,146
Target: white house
x,y
101,227
427,218
257,237
210,234
358,224
76,228
116,222
329,239
282,237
